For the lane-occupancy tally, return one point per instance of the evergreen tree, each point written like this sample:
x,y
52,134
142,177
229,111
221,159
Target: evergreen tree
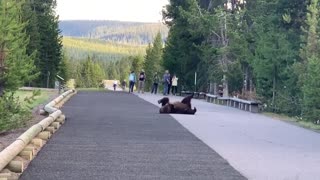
x,y
124,69
65,68
180,55
50,45
89,74
153,60
137,64
18,63
311,56
30,18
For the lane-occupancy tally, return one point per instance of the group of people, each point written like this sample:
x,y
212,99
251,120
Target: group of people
x,y
169,82
141,82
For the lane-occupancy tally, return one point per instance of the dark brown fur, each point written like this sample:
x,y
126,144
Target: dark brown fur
x,y
183,107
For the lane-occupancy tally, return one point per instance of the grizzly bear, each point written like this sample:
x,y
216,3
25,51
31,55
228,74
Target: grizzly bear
x,y
183,107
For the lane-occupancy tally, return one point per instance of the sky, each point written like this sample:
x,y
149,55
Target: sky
x,y
122,10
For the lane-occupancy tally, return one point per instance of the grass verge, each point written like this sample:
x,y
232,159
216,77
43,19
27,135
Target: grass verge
x,y
38,100
294,121
18,110
92,89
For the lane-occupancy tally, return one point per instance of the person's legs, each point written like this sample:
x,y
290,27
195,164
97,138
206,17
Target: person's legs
x,y
152,89
142,87
169,87
156,88
165,89
131,85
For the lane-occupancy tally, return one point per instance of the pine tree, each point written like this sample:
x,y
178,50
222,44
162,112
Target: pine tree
x,y
137,63
65,68
180,56
311,56
89,74
13,47
153,60
50,45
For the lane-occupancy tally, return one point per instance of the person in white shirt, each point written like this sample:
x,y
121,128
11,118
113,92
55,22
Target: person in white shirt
x,y
174,84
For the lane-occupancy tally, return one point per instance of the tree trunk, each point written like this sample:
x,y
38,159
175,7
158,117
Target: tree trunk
x,y
251,88
215,88
225,86
274,90
2,58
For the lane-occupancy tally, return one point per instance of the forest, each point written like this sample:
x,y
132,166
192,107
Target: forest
x,y
132,33
267,51
30,53
255,49
81,48
108,40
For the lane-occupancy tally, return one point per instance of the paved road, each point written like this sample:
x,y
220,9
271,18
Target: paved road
x,y
117,135
261,148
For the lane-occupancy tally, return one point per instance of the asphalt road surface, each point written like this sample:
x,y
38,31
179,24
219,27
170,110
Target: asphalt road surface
x,y
259,147
117,135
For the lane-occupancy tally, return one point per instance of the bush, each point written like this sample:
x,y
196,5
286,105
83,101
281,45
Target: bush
x,y
12,114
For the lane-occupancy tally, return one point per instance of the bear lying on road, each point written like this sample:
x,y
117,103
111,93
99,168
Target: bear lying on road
x,y
183,107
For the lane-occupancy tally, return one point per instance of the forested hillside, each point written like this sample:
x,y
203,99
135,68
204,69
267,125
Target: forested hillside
x,y
81,48
114,31
108,40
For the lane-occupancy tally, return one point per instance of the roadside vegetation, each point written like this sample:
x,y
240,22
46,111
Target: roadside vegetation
x,y
16,108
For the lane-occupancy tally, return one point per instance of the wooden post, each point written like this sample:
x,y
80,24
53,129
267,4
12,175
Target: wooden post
x,y
16,166
51,129
45,135
56,125
26,155
38,142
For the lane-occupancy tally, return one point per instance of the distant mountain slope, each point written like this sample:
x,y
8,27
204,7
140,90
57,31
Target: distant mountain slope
x,y
114,31
81,48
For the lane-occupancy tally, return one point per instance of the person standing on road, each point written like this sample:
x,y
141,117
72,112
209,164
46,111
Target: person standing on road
x,y
174,84
170,83
124,84
115,82
142,79
166,82
155,83
132,80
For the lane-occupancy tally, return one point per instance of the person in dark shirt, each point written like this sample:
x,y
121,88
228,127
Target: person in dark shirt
x,y
166,82
142,79
170,84
155,83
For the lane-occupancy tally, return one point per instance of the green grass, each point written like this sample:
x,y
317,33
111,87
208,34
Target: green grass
x,y
41,99
92,89
19,116
294,121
